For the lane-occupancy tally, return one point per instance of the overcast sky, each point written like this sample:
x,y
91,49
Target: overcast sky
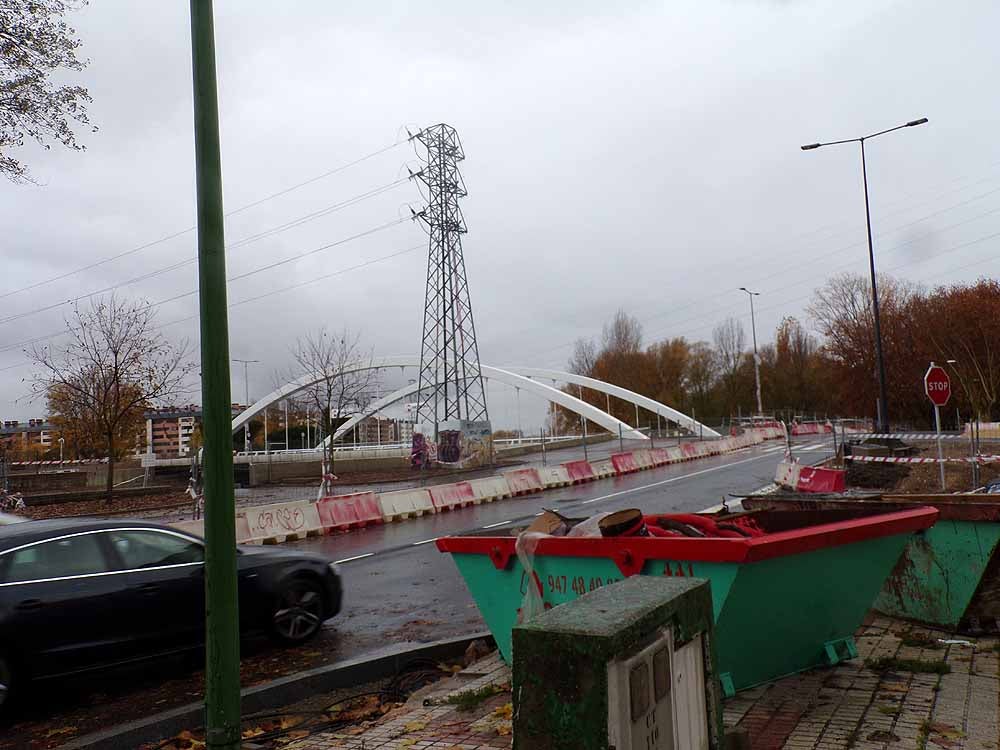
x,y
636,155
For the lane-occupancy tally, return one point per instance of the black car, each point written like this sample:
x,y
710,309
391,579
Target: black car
x,y
79,594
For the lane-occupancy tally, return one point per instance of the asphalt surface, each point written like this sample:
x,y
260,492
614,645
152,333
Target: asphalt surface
x,y
398,586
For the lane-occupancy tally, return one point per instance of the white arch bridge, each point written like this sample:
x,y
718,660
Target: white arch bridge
x,y
520,378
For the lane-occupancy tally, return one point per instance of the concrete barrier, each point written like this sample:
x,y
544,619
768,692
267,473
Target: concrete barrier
x,y
343,512
191,527
283,522
603,469
624,463
489,489
579,471
405,504
644,459
555,476
448,496
524,481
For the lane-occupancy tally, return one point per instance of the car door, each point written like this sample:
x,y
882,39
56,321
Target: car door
x,y
165,575
60,602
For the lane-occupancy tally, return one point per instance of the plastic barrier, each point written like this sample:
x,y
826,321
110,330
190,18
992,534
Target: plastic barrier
x,y
689,451
624,463
191,527
342,512
524,481
579,471
787,475
405,504
283,522
644,459
448,496
488,489
603,469
555,476
660,456
821,479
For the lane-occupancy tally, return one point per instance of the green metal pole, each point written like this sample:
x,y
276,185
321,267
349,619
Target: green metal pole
x,y
222,643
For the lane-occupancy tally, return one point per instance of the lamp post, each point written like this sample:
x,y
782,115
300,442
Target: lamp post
x,y
883,414
246,388
756,359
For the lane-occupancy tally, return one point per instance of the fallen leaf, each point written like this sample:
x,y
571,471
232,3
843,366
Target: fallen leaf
x,y
506,711
414,726
61,730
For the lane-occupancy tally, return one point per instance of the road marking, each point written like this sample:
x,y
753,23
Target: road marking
x,y
673,479
426,541
494,525
813,447
356,557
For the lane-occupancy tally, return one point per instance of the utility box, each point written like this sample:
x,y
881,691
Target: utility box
x,y
629,666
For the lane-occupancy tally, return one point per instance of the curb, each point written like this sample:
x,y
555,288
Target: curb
x,y
277,693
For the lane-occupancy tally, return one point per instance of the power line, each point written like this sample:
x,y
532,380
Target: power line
x,y
182,232
260,269
239,243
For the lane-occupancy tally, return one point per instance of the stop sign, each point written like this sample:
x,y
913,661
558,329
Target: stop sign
x,y
937,385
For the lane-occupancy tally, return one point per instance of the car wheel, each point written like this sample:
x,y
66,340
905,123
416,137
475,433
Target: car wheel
x,y
299,612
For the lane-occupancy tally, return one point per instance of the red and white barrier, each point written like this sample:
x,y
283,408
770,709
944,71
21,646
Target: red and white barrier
x,y
342,512
282,522
644,458
923,460
603,469
524,481
624,463
555,476
660,456
579,471
405,504
791,475
449,496
488,489
811,428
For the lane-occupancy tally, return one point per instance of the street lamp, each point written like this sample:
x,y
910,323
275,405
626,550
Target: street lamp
x,y
883,414
62,442
246,386
756,359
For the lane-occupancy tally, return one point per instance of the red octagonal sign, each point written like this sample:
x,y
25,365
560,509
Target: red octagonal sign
x,y
937,385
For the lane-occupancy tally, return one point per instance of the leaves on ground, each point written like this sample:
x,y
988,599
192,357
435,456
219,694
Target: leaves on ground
x,y
414,726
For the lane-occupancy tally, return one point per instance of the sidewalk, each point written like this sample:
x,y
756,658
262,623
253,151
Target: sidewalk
x,y
849,706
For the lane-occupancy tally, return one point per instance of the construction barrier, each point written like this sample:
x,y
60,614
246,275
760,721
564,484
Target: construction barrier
x,y
689,451
342,512
603,469
812,428
821,479
923,460
579,471
555,476
524,481
660,456
644,459
405,504
787,475
282,522
448,496
488,489
191,527
624,463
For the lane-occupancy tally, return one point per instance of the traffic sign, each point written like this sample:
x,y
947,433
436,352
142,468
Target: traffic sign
x,y
937,385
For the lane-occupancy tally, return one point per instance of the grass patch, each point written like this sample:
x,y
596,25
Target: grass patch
x,y
892,664
919,640
468,700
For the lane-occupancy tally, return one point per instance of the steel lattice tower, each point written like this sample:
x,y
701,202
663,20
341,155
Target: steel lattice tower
x,y
451,382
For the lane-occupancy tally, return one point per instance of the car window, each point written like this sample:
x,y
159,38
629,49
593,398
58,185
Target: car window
x,y
73,556
149,549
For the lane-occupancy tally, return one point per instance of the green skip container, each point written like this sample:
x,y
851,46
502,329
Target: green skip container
x,y
783,603
949,576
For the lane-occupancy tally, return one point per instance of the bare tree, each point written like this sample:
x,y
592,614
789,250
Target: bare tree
x,y
729,341
584,357
35,43
114,367
622,334
344,380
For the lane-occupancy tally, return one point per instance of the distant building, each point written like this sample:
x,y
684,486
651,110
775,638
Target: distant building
x,y
39,434
169,431
382,430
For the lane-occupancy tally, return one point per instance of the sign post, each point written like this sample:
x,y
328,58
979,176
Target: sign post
x,y
937,386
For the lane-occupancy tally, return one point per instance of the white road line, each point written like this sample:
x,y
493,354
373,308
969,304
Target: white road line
x,y
494,525
816,446
426,541
673,479
356,557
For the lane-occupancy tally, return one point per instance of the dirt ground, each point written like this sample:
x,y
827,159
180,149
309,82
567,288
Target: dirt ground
x,y
127,506
925,478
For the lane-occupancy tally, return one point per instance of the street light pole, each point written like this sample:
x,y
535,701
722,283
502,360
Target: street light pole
x,y
756,359
246,399
883,413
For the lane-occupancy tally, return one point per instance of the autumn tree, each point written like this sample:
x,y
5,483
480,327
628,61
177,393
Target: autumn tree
x,y
343,379
114,366
36,47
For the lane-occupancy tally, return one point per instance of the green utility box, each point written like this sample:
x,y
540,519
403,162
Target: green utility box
x,y
624,667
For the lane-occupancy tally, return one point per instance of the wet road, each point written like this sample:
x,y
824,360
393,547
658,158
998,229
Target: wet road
x,y
399,587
